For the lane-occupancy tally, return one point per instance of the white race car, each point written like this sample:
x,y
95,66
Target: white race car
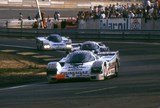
x,y
84,64
54,42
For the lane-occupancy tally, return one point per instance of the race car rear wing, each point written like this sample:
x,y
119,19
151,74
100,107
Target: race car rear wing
x,y
110,56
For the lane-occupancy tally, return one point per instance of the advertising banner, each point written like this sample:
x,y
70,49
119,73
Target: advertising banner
x,y
118,24
121,24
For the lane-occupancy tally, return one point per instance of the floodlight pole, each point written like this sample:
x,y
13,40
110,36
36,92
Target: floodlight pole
x,y
39,11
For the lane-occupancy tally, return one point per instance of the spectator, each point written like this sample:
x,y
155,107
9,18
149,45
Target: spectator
x,y
29,18
49,24
103,16
131,14
63,24
148,6
146,10
159,4
56,15
35,24
20,16
37,16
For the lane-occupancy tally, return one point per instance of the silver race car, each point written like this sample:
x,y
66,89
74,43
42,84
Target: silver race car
x,y
54,42
84,65
96,47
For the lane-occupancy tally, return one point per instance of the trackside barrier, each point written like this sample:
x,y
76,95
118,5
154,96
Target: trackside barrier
x,y
83,33
19,23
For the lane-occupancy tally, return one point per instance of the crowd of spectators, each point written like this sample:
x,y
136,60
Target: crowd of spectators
x,y
148,10
54,22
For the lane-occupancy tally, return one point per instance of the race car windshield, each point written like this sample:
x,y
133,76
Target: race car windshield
x,y
89,47
79,57
55,38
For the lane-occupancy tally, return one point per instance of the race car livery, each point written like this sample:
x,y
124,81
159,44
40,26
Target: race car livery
x,y
53,42
84,65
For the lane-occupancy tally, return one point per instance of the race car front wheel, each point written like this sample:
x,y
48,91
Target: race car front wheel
x,y
51,80
39,45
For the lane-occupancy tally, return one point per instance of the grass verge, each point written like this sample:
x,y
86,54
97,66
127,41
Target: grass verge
x,y
18,70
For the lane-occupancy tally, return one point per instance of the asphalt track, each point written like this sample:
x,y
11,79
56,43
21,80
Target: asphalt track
x,y
136,87
13,12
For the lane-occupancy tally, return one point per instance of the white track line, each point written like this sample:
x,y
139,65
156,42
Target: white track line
x,y
15,87
15,46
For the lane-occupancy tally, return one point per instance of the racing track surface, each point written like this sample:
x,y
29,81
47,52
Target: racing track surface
x,y
136,87
13,12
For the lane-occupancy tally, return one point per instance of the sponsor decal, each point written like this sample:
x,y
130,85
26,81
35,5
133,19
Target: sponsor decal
x,y
114,24
60,76
120,24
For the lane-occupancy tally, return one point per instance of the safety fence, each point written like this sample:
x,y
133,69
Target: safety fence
x,y
83,33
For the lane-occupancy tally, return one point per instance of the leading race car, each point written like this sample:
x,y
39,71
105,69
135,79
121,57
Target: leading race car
x,y
84,64
54,42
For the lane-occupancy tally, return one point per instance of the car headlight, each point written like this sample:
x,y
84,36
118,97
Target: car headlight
x,y
47,46
69,46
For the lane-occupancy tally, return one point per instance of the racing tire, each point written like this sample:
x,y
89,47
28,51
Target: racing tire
x,y
116,70
106,78
50,81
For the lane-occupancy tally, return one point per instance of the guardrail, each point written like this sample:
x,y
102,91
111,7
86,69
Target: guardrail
x,y
83,33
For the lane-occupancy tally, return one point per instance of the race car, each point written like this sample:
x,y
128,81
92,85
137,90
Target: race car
x,y
84,65
96,47
54,42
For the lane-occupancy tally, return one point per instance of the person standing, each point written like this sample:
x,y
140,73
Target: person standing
x,y
159,4
20,16
49,24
